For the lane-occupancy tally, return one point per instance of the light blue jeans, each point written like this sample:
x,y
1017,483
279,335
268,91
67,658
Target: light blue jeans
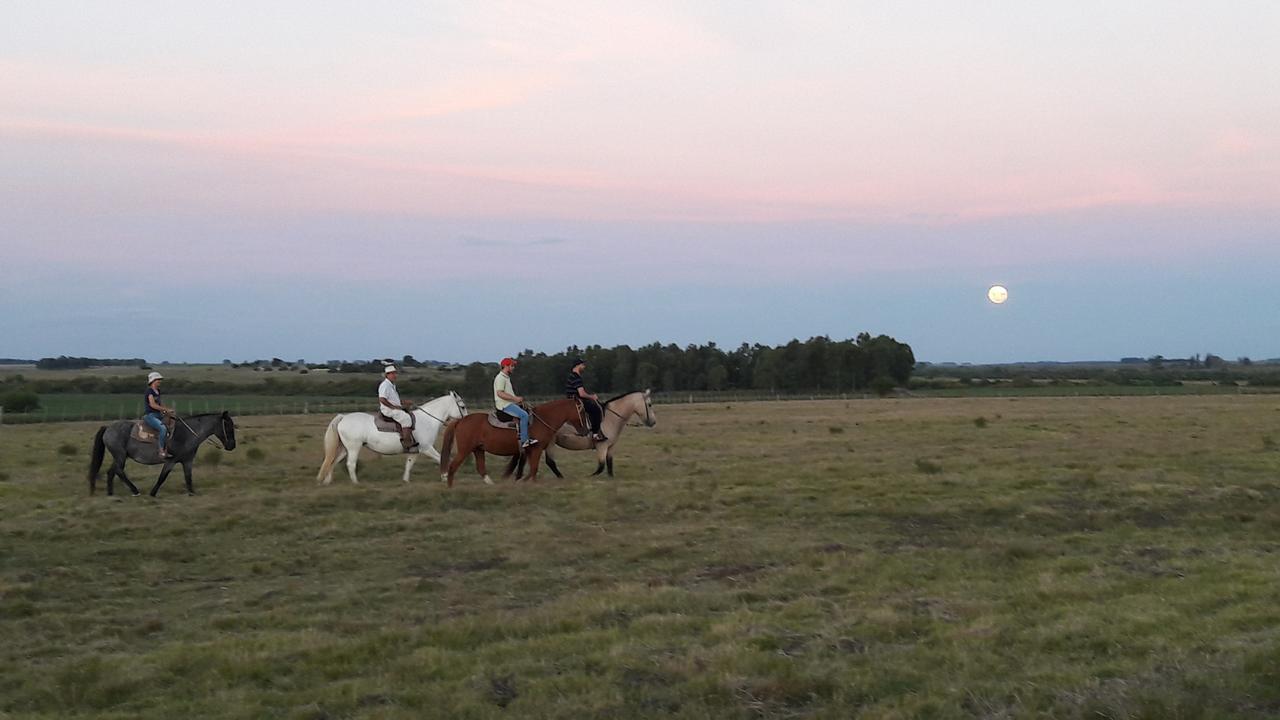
x,y
156,420
519,413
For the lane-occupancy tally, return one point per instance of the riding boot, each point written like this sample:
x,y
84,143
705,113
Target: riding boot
x,y
406,439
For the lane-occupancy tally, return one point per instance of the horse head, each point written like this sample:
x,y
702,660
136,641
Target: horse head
x,y
649,418
226,431
459,406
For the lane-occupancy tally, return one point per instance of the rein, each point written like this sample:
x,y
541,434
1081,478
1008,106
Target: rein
x,y
212,438
624,417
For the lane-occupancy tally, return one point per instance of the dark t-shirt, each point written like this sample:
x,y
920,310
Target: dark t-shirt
x,y
146,405
572,384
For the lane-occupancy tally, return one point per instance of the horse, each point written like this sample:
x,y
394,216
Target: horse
x,y
347,433
475,435
618,412
188,433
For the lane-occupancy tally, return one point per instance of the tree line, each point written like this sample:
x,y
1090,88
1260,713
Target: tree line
x,y
816,365
63,362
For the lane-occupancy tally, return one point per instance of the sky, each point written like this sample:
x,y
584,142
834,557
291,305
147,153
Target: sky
x,y
461,181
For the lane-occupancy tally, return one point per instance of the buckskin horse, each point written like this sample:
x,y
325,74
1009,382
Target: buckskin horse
x,y
474,435
188,433
349,432
619,411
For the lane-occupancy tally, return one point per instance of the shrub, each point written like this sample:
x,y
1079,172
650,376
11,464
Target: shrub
x,y
980,422
20,401
67,449
255,454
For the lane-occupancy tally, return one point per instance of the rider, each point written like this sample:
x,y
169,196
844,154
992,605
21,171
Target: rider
x,y
506,400
391,408
153,412
590,401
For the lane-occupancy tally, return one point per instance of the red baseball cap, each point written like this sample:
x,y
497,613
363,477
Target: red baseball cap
x,y
507,362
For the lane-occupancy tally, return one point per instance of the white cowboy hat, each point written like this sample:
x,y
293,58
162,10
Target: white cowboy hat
x,y
389,369
154,377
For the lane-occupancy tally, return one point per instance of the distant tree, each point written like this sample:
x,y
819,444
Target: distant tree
x,y
1245,361
1156,362
409,361
477,384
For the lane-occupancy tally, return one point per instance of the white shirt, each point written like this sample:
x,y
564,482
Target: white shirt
x,y
387,391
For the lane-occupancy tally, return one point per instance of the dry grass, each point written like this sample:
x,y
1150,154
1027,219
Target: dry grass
x,y
1082,557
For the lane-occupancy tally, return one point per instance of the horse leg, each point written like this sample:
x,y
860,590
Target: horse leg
x,y
511,467
353,457
601,454
408,463
484,474
186,472
118,468
534,454
342,454
164,475
609,460
457,462
551,463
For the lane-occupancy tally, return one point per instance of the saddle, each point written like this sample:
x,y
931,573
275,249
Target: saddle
x,y
499,419
142,432
386,424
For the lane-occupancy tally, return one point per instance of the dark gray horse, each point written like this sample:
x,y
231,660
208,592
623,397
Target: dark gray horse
x,y
188,433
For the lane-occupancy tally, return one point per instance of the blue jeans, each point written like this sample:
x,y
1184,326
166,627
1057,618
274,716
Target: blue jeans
x,y
156,420
518,413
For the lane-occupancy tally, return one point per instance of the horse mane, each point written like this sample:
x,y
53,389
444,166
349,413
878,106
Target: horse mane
x,y
619,397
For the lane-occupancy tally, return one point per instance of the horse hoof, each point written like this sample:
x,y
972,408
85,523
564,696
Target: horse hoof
x,y
487,480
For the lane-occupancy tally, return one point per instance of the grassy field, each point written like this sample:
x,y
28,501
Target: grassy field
x,y
939,558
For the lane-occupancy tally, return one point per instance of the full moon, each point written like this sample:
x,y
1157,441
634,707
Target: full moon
x,y
997,294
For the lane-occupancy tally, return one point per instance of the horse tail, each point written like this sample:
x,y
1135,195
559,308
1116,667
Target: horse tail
x,y
446,448
95,462
330,447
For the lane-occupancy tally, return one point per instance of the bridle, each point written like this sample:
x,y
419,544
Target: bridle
x,y
648,417
462,409
212,438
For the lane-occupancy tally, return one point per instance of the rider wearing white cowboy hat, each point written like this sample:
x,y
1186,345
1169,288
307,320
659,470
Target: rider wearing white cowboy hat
x,y
391,408
153,412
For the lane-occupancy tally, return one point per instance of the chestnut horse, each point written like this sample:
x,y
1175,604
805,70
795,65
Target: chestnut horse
x,y
476,436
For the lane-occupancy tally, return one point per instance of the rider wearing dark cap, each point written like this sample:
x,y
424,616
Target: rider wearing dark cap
x,y
591,402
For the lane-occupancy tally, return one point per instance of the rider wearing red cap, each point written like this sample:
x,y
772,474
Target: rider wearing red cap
x,y
506,400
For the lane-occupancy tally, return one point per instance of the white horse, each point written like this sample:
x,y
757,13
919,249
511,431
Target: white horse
x,y
348,432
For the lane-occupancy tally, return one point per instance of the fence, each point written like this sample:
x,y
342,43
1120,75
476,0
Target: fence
x,y
97,412
102,410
